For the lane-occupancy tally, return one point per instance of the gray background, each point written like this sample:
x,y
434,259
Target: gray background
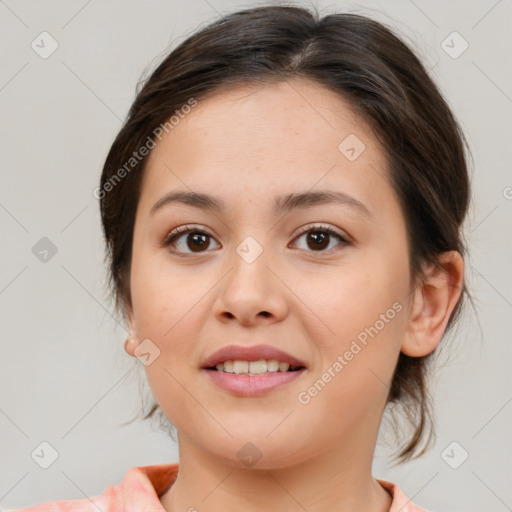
x,y
64,376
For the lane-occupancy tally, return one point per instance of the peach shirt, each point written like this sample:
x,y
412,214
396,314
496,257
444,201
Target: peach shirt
x,y
142,485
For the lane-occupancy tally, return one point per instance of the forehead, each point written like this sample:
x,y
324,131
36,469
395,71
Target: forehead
x,y
251,140
285,112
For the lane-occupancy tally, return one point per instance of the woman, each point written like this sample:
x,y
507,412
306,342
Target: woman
x,y
282,212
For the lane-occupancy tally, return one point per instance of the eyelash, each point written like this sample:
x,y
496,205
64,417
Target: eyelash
x,y
175,234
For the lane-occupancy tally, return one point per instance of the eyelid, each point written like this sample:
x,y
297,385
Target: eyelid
x,y
183,230
322,227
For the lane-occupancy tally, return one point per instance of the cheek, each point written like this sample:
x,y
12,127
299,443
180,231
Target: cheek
x,y
168,304
352,376
363,317
162,294
347,301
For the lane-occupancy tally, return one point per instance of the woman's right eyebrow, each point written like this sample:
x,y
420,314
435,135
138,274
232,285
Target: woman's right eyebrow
x,y
282,204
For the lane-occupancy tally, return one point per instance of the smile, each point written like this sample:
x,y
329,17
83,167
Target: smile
x,y
259,367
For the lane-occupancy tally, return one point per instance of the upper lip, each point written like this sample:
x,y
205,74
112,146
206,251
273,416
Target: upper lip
x,y
250,353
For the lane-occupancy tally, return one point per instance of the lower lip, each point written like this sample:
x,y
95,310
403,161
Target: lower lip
x,y
252,385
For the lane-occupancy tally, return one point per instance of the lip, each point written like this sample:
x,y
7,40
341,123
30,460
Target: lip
x,y
252,385
250,353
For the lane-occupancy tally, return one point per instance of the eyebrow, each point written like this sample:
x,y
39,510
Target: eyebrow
x,y
282,204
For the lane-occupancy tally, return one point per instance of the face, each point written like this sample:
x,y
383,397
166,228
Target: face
x,y
325,281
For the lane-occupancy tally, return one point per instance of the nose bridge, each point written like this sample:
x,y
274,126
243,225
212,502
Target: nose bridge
x,y
250,288
249,261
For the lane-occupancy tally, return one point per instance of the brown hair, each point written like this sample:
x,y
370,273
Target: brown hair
x,y
362,60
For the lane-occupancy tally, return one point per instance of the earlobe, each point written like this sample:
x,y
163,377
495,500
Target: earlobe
x,y
129,345
434,299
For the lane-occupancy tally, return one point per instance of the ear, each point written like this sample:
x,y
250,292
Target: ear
x,y
434,299
132,340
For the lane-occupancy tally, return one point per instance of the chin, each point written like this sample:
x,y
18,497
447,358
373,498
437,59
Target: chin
x,y
257,451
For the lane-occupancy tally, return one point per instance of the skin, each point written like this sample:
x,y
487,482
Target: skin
x,y
246,145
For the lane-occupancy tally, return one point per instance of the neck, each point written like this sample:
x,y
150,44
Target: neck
x,y
333,480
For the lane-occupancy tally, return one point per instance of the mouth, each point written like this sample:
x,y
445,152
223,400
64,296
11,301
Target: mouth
x,y
259,367
248,383
245,370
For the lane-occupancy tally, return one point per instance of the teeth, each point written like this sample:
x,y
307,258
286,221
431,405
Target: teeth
x,y
252,367
272,365
240,366
283,367
258,366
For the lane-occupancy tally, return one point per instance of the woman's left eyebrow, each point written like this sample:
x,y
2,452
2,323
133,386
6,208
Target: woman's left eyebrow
x,y
282,204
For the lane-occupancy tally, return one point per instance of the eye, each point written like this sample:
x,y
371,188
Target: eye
x,y
197,241
188,237
319,237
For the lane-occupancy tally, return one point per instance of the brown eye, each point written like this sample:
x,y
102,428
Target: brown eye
x,y
318,239
188,240
197,241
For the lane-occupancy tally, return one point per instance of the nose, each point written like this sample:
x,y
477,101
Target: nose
x,y
251,293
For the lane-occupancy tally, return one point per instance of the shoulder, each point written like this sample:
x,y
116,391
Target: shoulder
x,y
401,503
141,487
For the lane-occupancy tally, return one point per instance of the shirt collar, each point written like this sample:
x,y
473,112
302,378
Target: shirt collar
x,y
142,486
